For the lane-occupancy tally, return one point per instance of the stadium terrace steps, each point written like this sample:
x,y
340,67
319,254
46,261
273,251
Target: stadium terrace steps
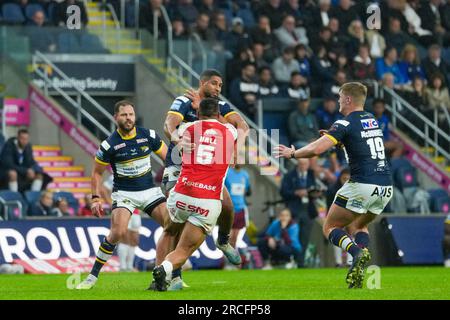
x,y
60,161
66,176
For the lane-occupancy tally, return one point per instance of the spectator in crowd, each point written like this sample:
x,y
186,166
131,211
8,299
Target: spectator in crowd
x,y
415,27
280,243
321,15
322,68
416,96
410,64
362,67
389,64
437,96
208,7
238,38
338,40
61,14
357,37
332,89
220,27
146,14
45,205
237,182
328,113
302,125
235,65
342,64
434,63
39,40
283,66
267,86
289,35
396,37
298,87
2,141
433,16
18,166
274,11
244,91
376,42
258,55
187,11
345,13
394,148
262,33
301,55
179,29
295,188
86,210
202,28
61,208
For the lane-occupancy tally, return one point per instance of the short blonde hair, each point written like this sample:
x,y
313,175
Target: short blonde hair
x,y
356,90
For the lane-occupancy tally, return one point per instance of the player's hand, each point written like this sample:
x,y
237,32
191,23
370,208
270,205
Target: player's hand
x,y
283,151
272,243
194,96
186,145
97,208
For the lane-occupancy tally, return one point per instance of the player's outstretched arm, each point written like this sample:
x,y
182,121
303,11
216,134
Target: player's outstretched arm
x,y
96,182
162,152
311,150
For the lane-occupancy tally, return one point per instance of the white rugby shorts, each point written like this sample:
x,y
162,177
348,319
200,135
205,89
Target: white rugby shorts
x,y
363,198
202,213
145,200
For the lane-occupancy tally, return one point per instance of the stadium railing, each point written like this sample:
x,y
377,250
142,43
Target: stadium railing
x,y
80,111
424,128
187,77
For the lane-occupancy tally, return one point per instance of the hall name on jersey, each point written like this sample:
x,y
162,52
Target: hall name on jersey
x,y
372,133
208,140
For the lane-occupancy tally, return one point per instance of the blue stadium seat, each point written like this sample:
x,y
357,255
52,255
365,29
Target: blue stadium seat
x,y
12,13
32,198
71,200
405,177
439,200
276,112
12,205
31,8
68,43
398,163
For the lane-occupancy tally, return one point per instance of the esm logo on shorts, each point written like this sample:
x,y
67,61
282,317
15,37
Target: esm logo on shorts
x,y
191,208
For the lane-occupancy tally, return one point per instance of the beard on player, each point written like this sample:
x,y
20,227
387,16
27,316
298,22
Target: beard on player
x,y
126,125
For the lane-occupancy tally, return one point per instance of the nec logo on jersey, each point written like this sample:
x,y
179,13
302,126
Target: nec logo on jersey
x,y
369,124
192,208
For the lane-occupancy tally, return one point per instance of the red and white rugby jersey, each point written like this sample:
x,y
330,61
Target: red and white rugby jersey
x,y
204,169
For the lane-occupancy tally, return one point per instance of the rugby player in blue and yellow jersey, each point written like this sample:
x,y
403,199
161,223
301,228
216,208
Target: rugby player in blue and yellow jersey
x,y
128,152
369,189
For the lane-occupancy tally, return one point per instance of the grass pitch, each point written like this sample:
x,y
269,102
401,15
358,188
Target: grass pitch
x,y
428,283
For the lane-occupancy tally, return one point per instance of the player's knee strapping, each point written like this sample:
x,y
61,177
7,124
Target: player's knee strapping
x,y
340,238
